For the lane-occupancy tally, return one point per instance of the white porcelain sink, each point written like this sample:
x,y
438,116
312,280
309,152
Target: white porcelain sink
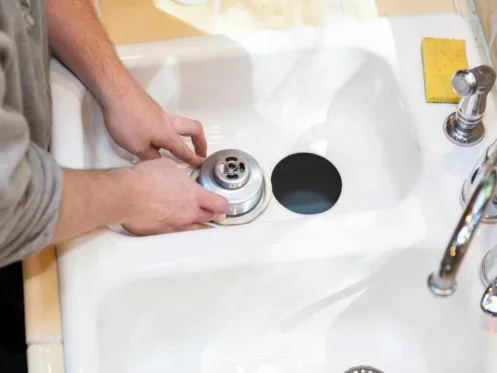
x,y
286,293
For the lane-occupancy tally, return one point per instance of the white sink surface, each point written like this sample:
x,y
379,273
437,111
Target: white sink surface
x,y
286,293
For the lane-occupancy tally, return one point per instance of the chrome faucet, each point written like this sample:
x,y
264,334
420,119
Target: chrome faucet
x,y
479,190
464,127
443,281
481,207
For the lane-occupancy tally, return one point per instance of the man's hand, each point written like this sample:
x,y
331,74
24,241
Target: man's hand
x,y
154,197
138,124
134,120
165,199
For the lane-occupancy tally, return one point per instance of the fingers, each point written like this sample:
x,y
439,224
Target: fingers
x,y
193,129
180,150
196,227
205,216
213,202
149,153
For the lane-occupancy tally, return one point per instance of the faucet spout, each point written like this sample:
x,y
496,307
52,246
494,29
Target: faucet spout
x,y
443,281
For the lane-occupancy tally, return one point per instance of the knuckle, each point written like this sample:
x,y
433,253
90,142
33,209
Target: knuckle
x,y
197,125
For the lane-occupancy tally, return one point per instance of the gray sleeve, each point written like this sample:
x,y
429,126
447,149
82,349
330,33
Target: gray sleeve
x,y
30,179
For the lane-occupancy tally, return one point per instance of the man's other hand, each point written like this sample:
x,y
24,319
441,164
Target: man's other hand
x,y
163,199
141,126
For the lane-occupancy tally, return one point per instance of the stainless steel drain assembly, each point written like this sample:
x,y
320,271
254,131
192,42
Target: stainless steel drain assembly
x,y
237,176
363,369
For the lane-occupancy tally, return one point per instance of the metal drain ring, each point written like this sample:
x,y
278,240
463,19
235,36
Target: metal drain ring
x,y
253,214
235,175
363,369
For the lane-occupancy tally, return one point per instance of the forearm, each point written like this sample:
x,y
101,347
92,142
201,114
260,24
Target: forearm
x,y
80,42
91,200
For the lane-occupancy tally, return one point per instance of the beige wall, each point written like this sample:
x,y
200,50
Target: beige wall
x,y
487,12
134,21
131,21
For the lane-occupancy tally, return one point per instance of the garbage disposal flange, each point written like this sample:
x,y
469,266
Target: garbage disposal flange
x,y
235,175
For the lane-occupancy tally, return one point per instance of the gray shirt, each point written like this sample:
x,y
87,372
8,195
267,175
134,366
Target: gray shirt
x,y
30,179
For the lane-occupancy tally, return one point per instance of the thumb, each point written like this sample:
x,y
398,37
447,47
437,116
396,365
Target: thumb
x,y
213,202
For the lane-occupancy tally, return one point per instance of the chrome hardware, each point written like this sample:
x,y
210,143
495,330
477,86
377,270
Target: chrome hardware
x,y
488,302
475,177
465,127
443,281
235,175
363,369
231,172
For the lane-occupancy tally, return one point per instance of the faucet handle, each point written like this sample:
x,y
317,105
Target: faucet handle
x,y
489,299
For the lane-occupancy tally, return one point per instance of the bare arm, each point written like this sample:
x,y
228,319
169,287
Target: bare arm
x,y
36,196
134,120
90,200
78,40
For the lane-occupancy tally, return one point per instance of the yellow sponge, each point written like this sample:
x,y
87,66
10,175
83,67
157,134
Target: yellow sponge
x,y
441,59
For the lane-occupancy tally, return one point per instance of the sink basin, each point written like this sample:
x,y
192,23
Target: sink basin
x,y
286,293
342,103
314,315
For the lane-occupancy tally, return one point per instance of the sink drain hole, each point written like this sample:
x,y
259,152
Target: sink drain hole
x,y
306,183
363,369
